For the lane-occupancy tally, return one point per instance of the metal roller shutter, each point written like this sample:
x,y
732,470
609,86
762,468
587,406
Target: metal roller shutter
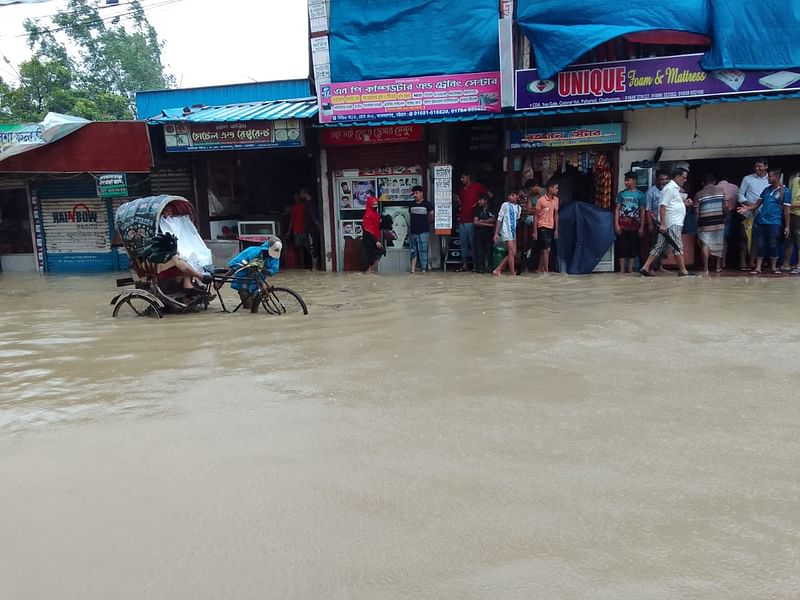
x,y
176,182
75,226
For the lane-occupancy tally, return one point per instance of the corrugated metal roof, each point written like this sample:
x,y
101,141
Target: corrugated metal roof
x,y
299,108
571,110
151,103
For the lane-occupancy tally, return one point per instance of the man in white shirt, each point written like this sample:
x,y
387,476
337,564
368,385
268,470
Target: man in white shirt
x,y
672,212
750,193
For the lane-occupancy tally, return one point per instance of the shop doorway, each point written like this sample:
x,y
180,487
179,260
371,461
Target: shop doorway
x,y
16,241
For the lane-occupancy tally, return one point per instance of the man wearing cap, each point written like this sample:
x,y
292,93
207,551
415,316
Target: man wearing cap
x,y
243,282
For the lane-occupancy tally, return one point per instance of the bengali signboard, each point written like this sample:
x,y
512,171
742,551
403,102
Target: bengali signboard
x,y
18,138
353,136
443,199
243,135
112,185
441,95
564,137
643,80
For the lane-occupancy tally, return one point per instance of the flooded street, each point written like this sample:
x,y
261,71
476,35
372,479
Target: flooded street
x,y
431,436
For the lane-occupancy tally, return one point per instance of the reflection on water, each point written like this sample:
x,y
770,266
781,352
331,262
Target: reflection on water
x,y
435,436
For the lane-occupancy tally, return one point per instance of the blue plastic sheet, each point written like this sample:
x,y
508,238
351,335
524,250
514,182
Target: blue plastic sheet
x,y
560,32
382,39
585,233
754,35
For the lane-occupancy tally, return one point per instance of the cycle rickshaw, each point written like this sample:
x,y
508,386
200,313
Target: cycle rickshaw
x,y
165,250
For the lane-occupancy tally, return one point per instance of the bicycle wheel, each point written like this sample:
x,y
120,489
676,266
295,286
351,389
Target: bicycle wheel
x,y
282,301
134,306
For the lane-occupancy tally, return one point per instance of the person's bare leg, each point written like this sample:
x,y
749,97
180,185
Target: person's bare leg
x,y
413,264
681,263
759,262
500,267
705,254
773,261
511,248
621,264
648,263
546,261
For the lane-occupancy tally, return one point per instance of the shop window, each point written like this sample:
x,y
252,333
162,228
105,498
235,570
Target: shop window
x,y
15,225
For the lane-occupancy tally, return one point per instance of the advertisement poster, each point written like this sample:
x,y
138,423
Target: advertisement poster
x,y
362,189
642,80
443,199
244,135
390,184
441,95
401,222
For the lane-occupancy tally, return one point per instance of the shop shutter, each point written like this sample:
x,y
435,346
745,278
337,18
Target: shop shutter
x,y
77,235
175,182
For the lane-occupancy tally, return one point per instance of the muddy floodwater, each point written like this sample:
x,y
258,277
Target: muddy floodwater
x,y
430,436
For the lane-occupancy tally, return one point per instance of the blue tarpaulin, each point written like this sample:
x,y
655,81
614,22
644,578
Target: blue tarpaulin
x,y
754,35
381,39
585,233
561,32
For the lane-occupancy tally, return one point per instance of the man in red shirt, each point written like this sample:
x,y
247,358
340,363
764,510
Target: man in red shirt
x,y
468,198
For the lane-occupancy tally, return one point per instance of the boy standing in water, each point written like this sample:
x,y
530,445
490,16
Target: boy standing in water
x,y
629,213
484,226
545,224
505,230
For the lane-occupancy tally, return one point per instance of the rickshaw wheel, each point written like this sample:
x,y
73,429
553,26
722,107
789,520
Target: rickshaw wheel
x,y
134,306
281,301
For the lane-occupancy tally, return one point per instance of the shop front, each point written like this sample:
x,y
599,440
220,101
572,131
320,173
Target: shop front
x,y
57,200
583,160
674,114
248,164
385,162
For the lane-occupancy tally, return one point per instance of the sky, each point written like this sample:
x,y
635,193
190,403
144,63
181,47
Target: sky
x,y
208,42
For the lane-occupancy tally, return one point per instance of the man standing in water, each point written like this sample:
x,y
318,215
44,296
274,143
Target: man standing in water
x,y
671,214
775,203
421,213
750,193
653,200
470,192
545,225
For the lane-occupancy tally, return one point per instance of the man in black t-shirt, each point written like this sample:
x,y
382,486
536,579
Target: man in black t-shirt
x,y
421,213
483,220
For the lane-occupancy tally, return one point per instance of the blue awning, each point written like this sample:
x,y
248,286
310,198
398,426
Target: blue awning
x,y
274,110
383,39
561,32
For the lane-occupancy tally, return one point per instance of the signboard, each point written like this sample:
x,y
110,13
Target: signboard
x,y
112,185
642,80
351,136
443,199
18,138
244,135
564,137
440,95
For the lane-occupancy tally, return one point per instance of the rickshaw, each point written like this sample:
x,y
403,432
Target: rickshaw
x,y
165,250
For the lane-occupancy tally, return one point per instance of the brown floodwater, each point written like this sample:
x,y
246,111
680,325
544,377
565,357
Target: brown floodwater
x,y
430,436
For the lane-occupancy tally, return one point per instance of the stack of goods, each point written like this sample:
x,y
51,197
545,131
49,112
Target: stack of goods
x,y
602,182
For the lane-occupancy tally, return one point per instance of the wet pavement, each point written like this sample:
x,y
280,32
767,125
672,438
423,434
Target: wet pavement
x,y
429,436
